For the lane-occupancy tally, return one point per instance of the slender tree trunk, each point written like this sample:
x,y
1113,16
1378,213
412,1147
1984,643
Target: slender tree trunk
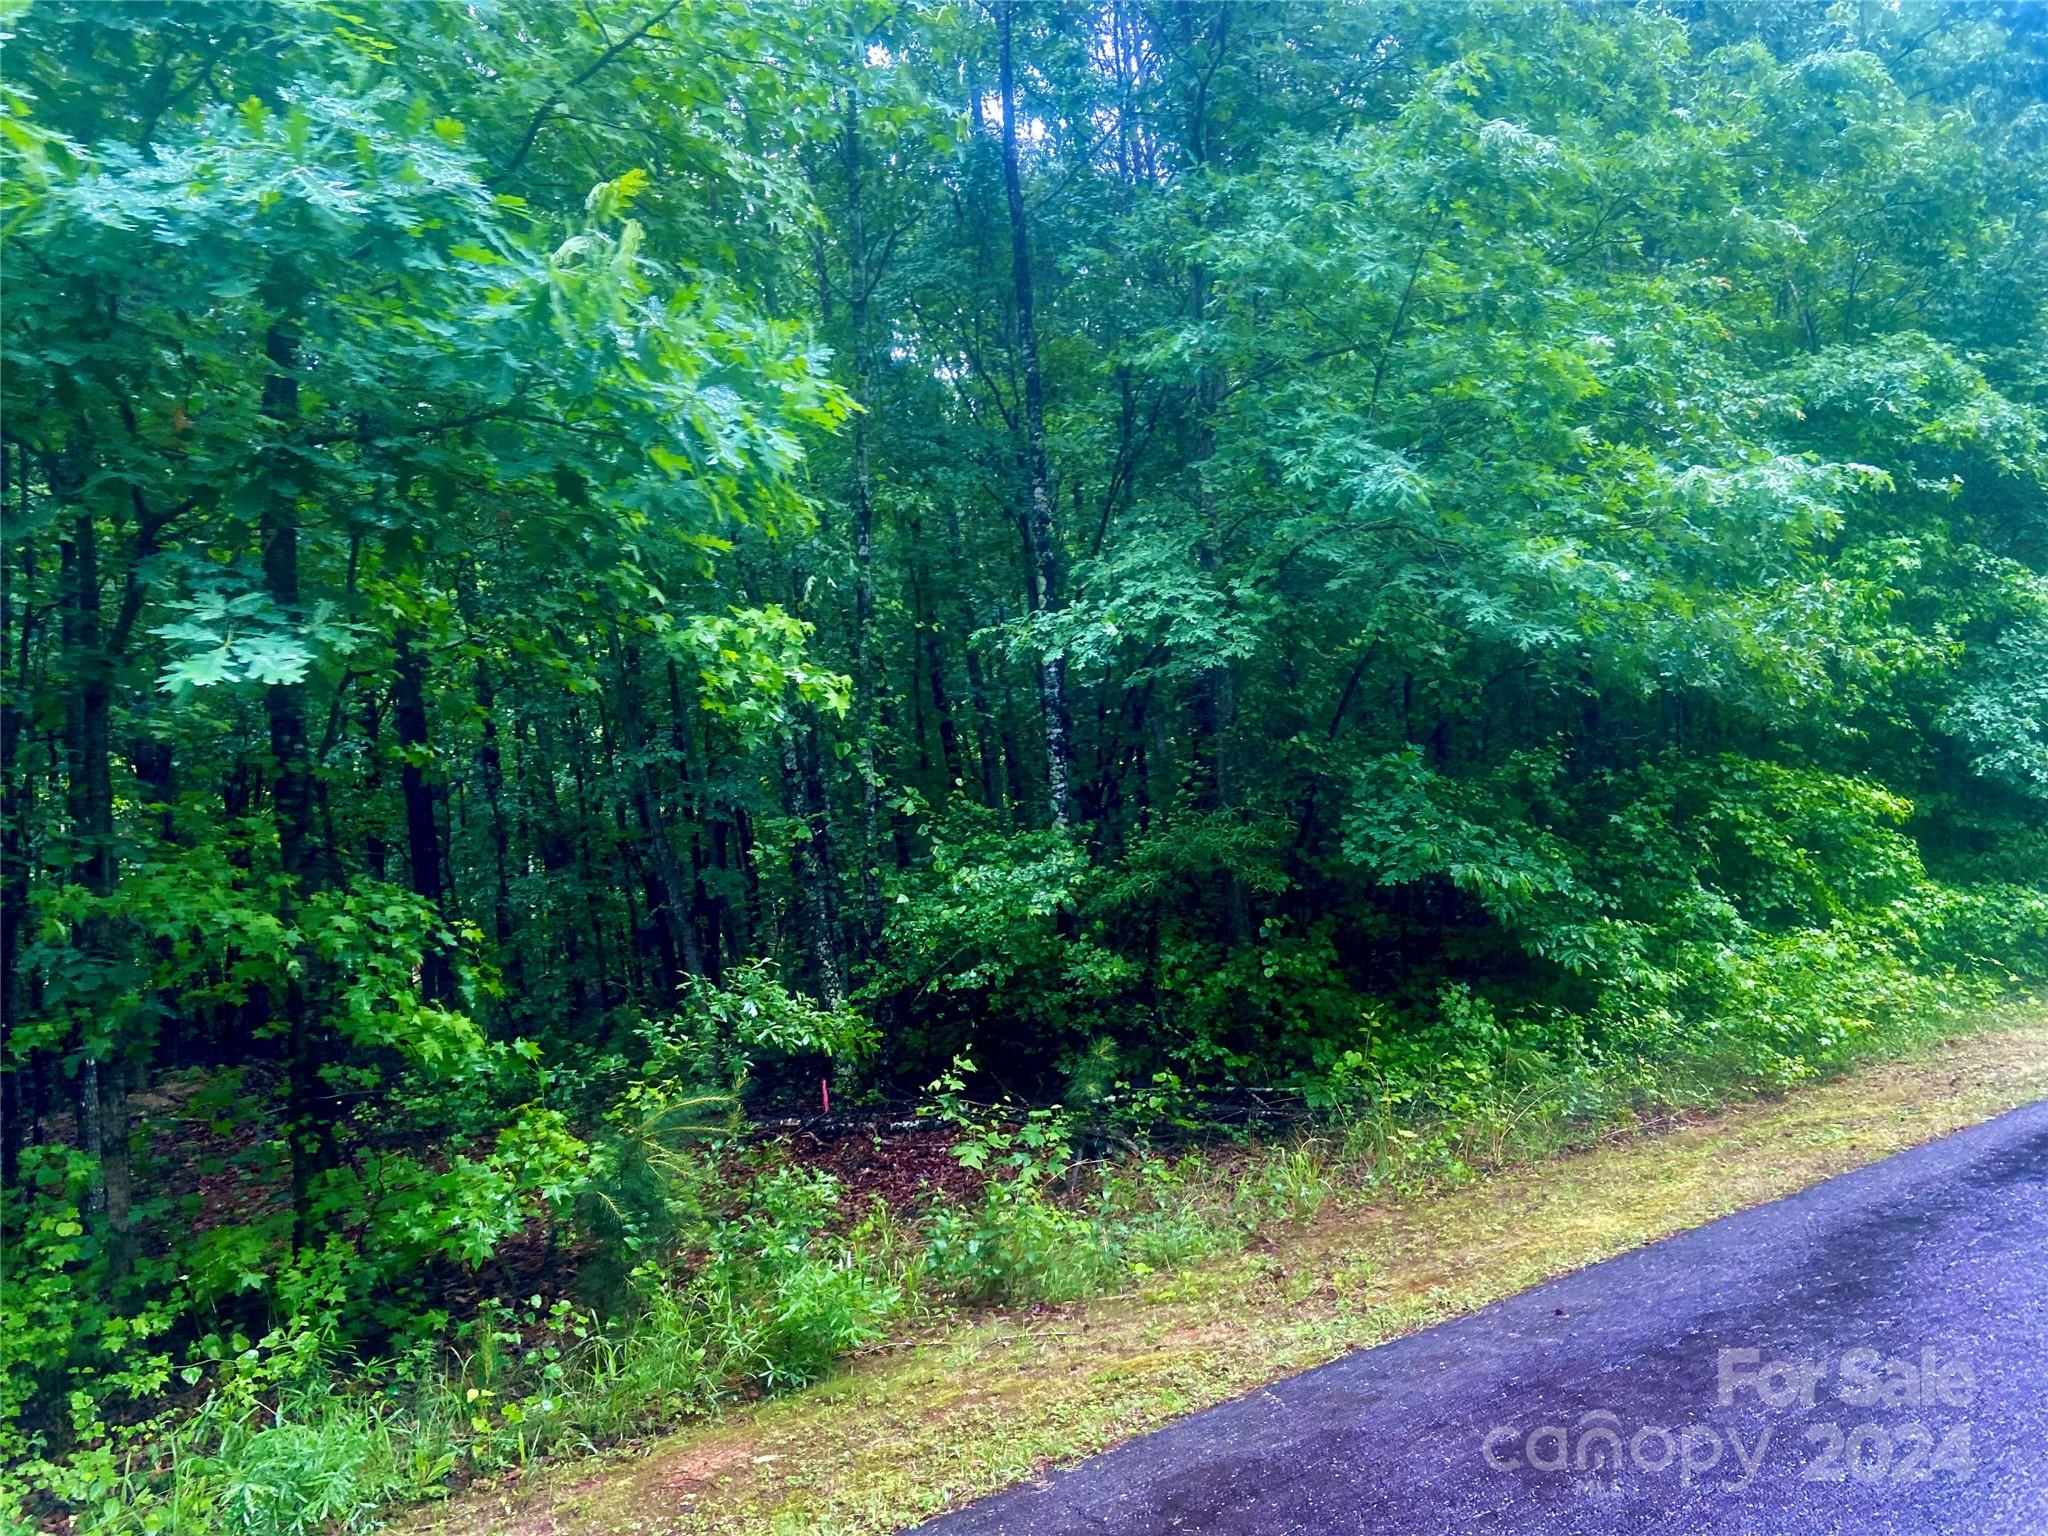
x,y
490,766
560,871
370,723
309,1129
811,863
987,737
156,777
860,286
420,790
1013,747
1052,687
558,864
674,906
687,807
927,625
751,919
17,791
102,1082
586,854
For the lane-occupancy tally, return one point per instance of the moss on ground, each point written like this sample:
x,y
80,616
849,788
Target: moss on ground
x,y
998,1398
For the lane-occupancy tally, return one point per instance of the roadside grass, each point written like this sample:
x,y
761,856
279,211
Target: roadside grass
x,y
979,1401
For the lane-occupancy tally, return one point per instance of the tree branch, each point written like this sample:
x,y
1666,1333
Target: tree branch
x,y
547,109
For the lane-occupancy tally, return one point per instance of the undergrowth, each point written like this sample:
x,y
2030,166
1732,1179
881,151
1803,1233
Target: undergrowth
x,y
765,1284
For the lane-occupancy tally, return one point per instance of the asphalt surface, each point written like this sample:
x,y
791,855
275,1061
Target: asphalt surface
x,y
1867,1357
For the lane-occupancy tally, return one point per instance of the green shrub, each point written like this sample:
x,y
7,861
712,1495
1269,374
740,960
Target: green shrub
x,y
803,1299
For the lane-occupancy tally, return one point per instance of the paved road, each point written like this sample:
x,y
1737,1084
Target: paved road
x,y
1868,1358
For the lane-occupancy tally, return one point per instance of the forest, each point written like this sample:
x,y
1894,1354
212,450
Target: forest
x,y
585,584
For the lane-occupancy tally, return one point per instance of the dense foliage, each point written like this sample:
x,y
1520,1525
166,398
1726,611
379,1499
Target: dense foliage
x,y
574,571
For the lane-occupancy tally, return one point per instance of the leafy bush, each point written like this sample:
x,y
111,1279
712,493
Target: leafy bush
x,y
726,1032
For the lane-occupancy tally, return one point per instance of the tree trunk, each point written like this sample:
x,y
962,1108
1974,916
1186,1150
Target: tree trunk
x,y
688,807
420,791
674,907
860,495
309,1130
1052,687
490,766
987,738
811,862
102,1081
926,627
17,791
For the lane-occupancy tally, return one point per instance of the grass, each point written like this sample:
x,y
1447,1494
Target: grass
x,y
986,1400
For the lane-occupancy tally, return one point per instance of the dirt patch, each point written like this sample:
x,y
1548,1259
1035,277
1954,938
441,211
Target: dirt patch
x,y
696,1469
905,1167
